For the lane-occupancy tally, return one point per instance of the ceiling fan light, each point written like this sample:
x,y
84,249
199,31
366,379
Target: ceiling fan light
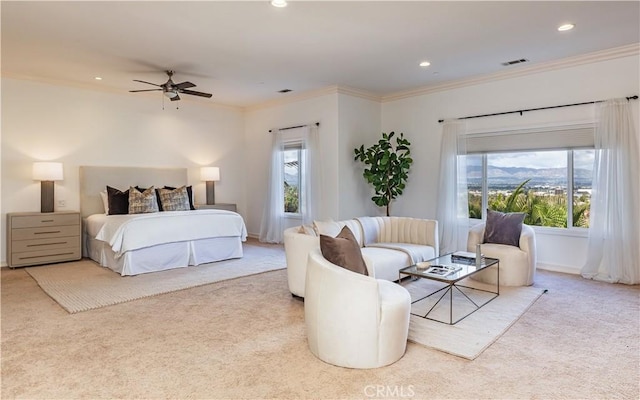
x,y
170,94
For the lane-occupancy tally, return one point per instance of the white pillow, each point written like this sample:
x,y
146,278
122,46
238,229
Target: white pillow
x,y
105,201
307,230
328,228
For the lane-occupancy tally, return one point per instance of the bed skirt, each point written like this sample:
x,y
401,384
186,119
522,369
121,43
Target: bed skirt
x,y
164,256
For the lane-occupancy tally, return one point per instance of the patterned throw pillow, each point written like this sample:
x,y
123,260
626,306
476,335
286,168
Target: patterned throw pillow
x,y
189,192
144,202
174,200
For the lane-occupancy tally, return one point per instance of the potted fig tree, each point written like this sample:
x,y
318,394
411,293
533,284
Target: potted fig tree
x,y
386,167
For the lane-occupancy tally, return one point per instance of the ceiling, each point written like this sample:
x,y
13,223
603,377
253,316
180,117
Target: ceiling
x,y
244,52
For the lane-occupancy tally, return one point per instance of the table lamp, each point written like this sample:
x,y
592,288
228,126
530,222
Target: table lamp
x,y
210,175
47,173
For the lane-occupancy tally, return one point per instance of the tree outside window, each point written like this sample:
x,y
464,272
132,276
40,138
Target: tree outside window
x,y
292,178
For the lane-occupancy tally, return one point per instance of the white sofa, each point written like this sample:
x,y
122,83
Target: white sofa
x,y
387,243
353,320
517,264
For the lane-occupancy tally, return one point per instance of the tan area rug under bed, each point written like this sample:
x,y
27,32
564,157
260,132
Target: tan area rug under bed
x,y
475,333
84,285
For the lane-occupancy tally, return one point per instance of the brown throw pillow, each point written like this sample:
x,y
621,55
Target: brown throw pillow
x,y
343,250
503,228
118,201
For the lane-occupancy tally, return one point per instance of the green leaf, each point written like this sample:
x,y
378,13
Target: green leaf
x,y
388,166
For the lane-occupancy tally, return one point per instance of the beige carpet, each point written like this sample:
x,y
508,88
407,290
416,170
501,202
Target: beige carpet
x,y
475,333
85,285
246,339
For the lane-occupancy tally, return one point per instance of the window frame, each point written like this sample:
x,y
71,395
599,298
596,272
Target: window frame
x,y
570,230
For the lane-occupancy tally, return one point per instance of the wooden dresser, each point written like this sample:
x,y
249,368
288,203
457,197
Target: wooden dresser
x,y
42,238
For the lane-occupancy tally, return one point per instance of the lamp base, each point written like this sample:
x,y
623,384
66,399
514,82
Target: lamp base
x,y
46,196
211,193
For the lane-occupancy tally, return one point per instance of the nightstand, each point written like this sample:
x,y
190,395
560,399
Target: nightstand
x,y
35,238
218,206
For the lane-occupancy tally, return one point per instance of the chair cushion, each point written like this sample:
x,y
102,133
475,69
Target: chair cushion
x,y
503,228
344,251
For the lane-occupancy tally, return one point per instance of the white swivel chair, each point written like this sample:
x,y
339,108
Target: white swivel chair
x,y
517,264
353,320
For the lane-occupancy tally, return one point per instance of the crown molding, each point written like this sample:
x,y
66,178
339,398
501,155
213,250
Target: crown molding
x,y
334,89
589,58
604,55
363,94
292,98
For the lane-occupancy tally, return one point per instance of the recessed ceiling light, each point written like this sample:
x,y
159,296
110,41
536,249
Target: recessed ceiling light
x,y
279,3
425,64
98,78
566,27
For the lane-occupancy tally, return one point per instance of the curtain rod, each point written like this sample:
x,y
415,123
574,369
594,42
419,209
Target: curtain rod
x,y
294,127
537,109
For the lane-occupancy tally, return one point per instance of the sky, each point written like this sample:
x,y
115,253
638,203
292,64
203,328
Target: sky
x,y
538,159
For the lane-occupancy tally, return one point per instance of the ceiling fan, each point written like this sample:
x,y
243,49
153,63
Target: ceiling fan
x,y
172,90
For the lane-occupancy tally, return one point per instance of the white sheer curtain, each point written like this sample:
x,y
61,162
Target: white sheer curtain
x,y
310,169
311,175
613,254
272,226
453,204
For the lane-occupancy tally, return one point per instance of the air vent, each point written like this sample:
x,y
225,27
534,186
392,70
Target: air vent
x,y
284,91
513,62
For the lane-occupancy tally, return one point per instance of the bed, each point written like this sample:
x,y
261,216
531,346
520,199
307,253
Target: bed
x,y
142,243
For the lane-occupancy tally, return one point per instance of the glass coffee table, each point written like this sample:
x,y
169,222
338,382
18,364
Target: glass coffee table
x,y
449,272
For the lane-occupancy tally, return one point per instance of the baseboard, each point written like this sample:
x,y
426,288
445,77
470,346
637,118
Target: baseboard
x,y
566,269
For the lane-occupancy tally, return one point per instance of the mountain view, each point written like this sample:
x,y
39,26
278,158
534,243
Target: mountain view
x,y
511,177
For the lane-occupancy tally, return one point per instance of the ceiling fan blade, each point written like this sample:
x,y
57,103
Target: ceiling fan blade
x,y
145,90
185,85
193,92
175,98
148,83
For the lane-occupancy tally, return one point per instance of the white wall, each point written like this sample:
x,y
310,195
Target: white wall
x,y
418,116
359,124
81,127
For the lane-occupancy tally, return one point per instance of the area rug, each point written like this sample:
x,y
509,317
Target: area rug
x,y
476,332
84,285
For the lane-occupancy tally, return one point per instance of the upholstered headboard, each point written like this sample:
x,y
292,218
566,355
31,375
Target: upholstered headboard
x,y
93,180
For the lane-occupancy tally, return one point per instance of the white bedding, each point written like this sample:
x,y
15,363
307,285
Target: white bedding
x,y
133,244
132,232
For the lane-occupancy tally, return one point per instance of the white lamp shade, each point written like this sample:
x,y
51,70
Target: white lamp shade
x,y
47,171
210,173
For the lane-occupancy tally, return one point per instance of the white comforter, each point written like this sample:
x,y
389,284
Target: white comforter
x,y
132,232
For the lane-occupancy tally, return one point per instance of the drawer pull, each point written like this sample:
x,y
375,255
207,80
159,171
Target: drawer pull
x,y
45,244
48,255
44,233
47,220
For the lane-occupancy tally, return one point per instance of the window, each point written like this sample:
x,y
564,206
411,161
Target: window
x,y
533,182
292,177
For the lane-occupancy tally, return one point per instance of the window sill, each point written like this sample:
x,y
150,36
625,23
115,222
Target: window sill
x,y
293,216
548,231
574,232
